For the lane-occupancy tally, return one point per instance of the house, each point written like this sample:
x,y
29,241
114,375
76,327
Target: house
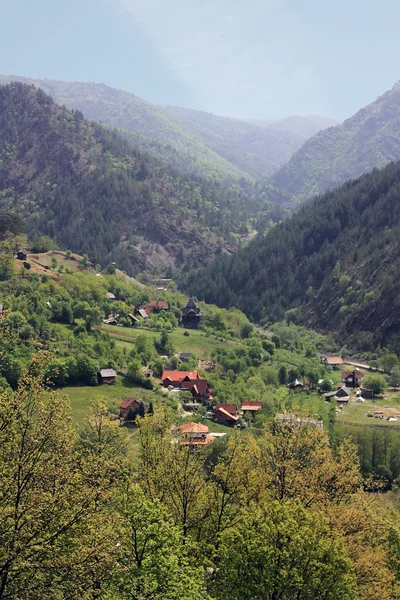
x,y
184,356
110,296
352,378
330,396
366,393
158,305
333,361
192,434
226,414
199,389
107,376
176,378
143,313
296,421
21,255
190,315
111,321
251,406
126,405
343,392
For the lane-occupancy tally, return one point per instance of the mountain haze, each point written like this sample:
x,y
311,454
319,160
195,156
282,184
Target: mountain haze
x,y
189,140
371,138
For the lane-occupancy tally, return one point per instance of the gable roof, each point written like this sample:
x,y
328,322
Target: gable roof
x,y
200,386
334,360
221,413
108,373
251,405
179,376
132,316
230,408
159,304
192,428
110,296
143,313
344,389
128,402
346,374
191,308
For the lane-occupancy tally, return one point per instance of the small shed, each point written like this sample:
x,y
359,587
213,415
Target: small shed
x,y
110,321
110,296
126,405
107,376
21,255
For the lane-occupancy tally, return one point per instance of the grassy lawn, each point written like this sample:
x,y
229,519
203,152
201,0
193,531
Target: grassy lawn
x,y
354,413
197,342
82,396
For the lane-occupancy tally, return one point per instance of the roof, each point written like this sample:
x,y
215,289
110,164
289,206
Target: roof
x,y
334,360
143,313
132,316
200,386
329,394
108,373
185,355
346,374
159,304
230,408
110,320
191,308
221,413
148,309
192,428
110,295
127,402
179,376
251,405
344,389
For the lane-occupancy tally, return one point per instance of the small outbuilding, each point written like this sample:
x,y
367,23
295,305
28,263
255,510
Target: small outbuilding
x,y
107,376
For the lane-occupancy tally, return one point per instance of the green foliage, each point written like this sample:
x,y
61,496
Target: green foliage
x,y
375,382
270,277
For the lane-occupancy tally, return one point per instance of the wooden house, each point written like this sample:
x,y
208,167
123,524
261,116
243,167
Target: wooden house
x,y
226,414
366,393
333,361
190,315
107,376
251,406
192,434
199,389
352,378
126,405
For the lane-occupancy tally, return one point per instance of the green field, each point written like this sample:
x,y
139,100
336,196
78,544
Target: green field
x,y
197,342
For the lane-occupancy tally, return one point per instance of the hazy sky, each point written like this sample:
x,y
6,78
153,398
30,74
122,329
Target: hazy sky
x,y
246,58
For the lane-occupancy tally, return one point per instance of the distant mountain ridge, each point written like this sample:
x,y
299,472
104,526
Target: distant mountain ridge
x,y
84,186
369,139
189,140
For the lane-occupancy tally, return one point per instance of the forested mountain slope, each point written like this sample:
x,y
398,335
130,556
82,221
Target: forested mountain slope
x,y
371,138
84,186
334,265
191,141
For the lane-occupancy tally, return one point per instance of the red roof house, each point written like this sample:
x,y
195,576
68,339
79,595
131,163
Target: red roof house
x,y
199,388
126,405
226,413
352,378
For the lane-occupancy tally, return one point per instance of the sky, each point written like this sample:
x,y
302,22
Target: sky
x,y
247,58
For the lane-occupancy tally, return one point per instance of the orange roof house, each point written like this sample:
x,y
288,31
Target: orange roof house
x,y
176,378
199,388
193,434
251,405
333,361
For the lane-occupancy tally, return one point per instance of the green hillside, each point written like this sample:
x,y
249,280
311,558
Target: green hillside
x,y
85,187
334,266
371,138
